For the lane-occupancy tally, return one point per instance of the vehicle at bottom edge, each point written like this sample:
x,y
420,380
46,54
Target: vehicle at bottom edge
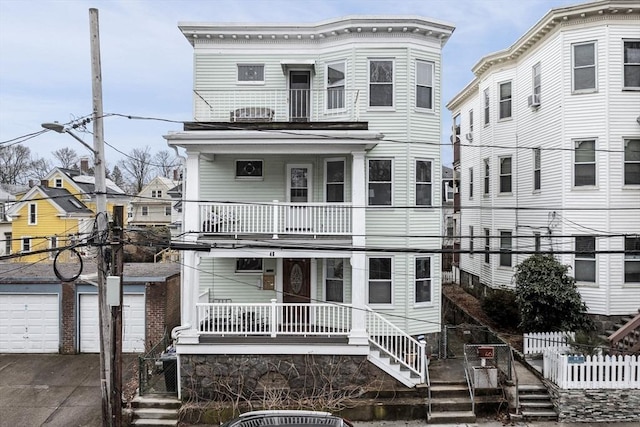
x,y
288,418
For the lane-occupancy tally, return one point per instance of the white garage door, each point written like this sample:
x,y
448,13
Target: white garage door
x,y
29,323
132,320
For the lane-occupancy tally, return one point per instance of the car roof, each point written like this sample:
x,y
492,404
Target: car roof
x,y
288,418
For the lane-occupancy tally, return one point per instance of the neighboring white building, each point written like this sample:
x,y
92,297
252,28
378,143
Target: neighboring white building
x,y
6,200
153,205
313,187
547,151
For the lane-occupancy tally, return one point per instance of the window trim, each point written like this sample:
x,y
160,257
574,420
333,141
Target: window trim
x,y
504,250
594,66
393,84
32,214
369,181
585,258
471,183
624,65
537,242
53,244
471,241
470,120
429,280
576,142
144,211
486,178
257,270
250,82
326,178
625,142
167,211
487,107
536,71
628,258
25,244
431,86
58,183
248,177
537,169
326,277
369,280
425,183
327,87
505,100
487,246
501,175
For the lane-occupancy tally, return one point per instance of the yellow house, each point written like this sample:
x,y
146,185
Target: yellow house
x,y
58,212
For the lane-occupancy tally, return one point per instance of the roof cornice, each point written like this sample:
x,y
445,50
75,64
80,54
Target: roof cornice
x,y
316,32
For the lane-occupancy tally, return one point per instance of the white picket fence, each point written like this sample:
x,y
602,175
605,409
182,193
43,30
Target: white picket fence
x,y
592,372
541,342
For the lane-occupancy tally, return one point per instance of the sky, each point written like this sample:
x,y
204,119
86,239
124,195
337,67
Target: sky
x,y
45,58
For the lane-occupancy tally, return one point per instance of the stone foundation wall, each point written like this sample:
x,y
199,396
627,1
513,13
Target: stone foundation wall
x,y
595,405
273,379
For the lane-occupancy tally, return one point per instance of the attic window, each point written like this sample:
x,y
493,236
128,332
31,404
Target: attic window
x,y
58,183
75,203
249,169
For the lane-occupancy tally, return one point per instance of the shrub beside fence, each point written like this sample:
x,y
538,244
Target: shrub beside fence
x,y
592,372
540,342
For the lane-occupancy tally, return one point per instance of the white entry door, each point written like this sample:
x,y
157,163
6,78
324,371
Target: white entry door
x,y
299,188
29,323
133,337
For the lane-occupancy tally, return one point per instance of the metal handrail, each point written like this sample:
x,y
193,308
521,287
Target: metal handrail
x,y
515,376
470,383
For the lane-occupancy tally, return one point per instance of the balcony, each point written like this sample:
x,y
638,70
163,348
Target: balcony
x,y
274,219
294,105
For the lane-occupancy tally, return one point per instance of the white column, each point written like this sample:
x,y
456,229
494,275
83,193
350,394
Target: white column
x,y
191,209
358,259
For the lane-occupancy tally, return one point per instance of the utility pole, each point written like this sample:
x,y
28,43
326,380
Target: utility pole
x,y
101,220
116,315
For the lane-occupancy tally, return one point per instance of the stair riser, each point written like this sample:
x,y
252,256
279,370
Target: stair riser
x,y
153,416
450,407
151,405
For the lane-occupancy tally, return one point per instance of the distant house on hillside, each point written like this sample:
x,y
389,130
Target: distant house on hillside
x,y
152,207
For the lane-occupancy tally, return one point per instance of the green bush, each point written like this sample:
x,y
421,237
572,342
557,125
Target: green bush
x,y
500,305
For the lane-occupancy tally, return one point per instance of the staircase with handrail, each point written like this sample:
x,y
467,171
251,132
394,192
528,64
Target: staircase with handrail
x,y
626,340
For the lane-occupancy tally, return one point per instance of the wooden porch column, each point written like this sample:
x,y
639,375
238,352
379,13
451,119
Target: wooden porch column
x,y
358,333
191,222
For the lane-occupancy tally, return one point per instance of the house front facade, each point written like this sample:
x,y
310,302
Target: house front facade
x,y
152,207
312,193
546,142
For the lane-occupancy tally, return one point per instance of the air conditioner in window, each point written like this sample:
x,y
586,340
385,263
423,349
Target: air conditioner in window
x,y
533,101
469,136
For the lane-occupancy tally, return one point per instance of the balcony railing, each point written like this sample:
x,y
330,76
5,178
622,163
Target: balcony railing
x,y
273,319
286,105
276,218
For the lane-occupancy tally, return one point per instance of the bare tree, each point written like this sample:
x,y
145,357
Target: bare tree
x,y
117,178
15,164
40,167
137,167
165,163
67,157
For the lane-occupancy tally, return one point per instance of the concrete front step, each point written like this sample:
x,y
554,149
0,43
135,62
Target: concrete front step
x,y
156,402
451,404
155,413
535,405
451,417
533,415
154,423
534,396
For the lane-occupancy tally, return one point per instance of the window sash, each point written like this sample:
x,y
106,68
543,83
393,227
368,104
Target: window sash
x,y
26,244
423,280
334,285
584,66
380,83
536,169
632,64
471,240
380,182
470,120
486,106
336,83
249,265
585,163
505,100
505,249
505,174
145,210
585,263
631,261
335,180
33,213
537,79
487,246
487,171
424,84
380,283
632,161
423,183
471,183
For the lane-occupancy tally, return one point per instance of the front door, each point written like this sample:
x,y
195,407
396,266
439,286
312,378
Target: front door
x,y
299,187
299,96
296,286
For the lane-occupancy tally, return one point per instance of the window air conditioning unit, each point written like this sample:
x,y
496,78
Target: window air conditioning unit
x,y
469,136
533,101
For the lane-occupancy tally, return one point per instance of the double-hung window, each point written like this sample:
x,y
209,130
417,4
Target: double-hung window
x,y
424,84
505,248
487,246
26,244
249,265
471,183
380,281
33,214
156,193
470,121
486,106
145,210
536,242
335,180
336,73
380,83
505,174
53,244
585,259
251,73
380,182
471,240
632,259
632,64
537,81
423,183
487,180
584,67
504,103
536,169
632,161
167,211
585,163
334,279
423,280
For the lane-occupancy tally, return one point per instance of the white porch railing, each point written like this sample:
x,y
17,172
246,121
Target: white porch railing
x,y
276,218
539,342
592,372
398,345
264,105
273,319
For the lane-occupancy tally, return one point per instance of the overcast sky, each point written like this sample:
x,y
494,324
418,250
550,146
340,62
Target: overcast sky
x,y
45,62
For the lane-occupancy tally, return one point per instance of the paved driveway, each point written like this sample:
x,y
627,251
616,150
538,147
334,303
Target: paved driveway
x,y
50,390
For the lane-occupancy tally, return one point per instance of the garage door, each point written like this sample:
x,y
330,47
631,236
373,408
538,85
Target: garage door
x,y
132,320
29,323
